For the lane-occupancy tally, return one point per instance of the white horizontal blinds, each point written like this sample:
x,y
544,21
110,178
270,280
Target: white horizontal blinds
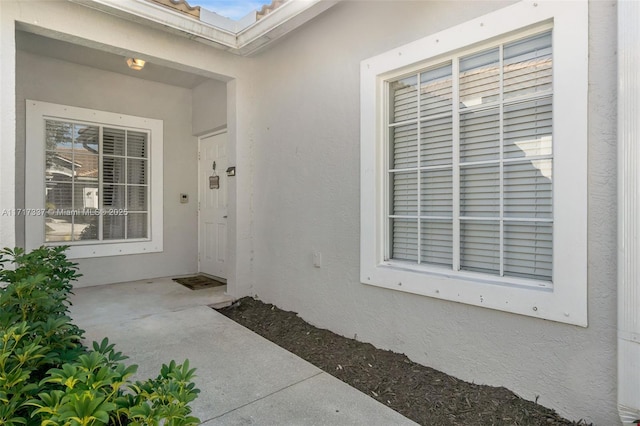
x,y
420,167
436,148
528,189
506,159
436,91
479,79
405,239
404,99
114,182
480,191
404,210
528,128
503,164
480,135
528,249
436,193
436,161
403,174
405,146
436,242
436,206
480,201
480,246
405,191
528,66
479,146
137,184
528,152
71,181
125,184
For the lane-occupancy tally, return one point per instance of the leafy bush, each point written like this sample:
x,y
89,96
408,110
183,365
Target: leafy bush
x,y
48,377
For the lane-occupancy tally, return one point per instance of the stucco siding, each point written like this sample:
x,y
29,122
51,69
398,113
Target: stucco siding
x,y
209,107
51,80
303,147
7,129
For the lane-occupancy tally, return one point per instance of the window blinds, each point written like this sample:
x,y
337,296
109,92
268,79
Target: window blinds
x,y
125,171
501,160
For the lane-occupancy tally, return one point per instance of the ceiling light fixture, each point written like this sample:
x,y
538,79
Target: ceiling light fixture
x,y
135,63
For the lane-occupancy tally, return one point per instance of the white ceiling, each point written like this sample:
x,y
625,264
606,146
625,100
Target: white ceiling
x,y
81,55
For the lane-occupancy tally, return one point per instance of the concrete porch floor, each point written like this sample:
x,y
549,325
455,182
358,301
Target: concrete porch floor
x,y
243,378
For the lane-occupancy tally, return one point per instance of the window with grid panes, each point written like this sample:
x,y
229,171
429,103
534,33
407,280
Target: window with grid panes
x,y
470,170
96,182
473,147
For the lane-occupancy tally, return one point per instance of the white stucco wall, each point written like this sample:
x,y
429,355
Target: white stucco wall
x,y
303,150
52,80
7,130
209,107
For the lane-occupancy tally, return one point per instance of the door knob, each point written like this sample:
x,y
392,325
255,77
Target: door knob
x,y
224,217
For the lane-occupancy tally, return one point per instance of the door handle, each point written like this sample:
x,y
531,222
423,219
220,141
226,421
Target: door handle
x,y
224,217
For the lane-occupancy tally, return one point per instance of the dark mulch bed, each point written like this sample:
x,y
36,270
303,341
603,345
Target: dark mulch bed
x,y
420,393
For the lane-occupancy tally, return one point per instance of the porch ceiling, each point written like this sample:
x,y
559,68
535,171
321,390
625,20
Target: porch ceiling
x,y
82,55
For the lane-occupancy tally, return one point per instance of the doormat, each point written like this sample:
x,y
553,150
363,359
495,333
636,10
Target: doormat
x,y
198,282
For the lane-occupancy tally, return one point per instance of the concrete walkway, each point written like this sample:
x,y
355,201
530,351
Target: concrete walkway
x,y
243,378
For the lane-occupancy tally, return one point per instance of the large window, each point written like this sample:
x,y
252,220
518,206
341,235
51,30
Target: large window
x,y
95,181
470,172
474,177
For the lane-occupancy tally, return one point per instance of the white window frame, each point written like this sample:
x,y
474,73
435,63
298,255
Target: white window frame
x,y
36,114
566,299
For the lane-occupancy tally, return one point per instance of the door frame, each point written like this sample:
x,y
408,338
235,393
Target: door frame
x,y
200,138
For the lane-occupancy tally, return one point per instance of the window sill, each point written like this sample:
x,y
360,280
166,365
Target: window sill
x,y
474,277
83,250
518,296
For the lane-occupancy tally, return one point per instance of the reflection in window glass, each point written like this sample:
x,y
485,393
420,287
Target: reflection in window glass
x,y
96,182
479,78
71,181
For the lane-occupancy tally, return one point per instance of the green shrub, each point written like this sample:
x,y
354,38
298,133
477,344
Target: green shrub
x,y
48,377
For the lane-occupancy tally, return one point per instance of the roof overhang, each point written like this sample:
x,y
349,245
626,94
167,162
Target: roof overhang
x,y
240,38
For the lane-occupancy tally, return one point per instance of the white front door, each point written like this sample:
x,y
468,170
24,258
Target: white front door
x,y
213,205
